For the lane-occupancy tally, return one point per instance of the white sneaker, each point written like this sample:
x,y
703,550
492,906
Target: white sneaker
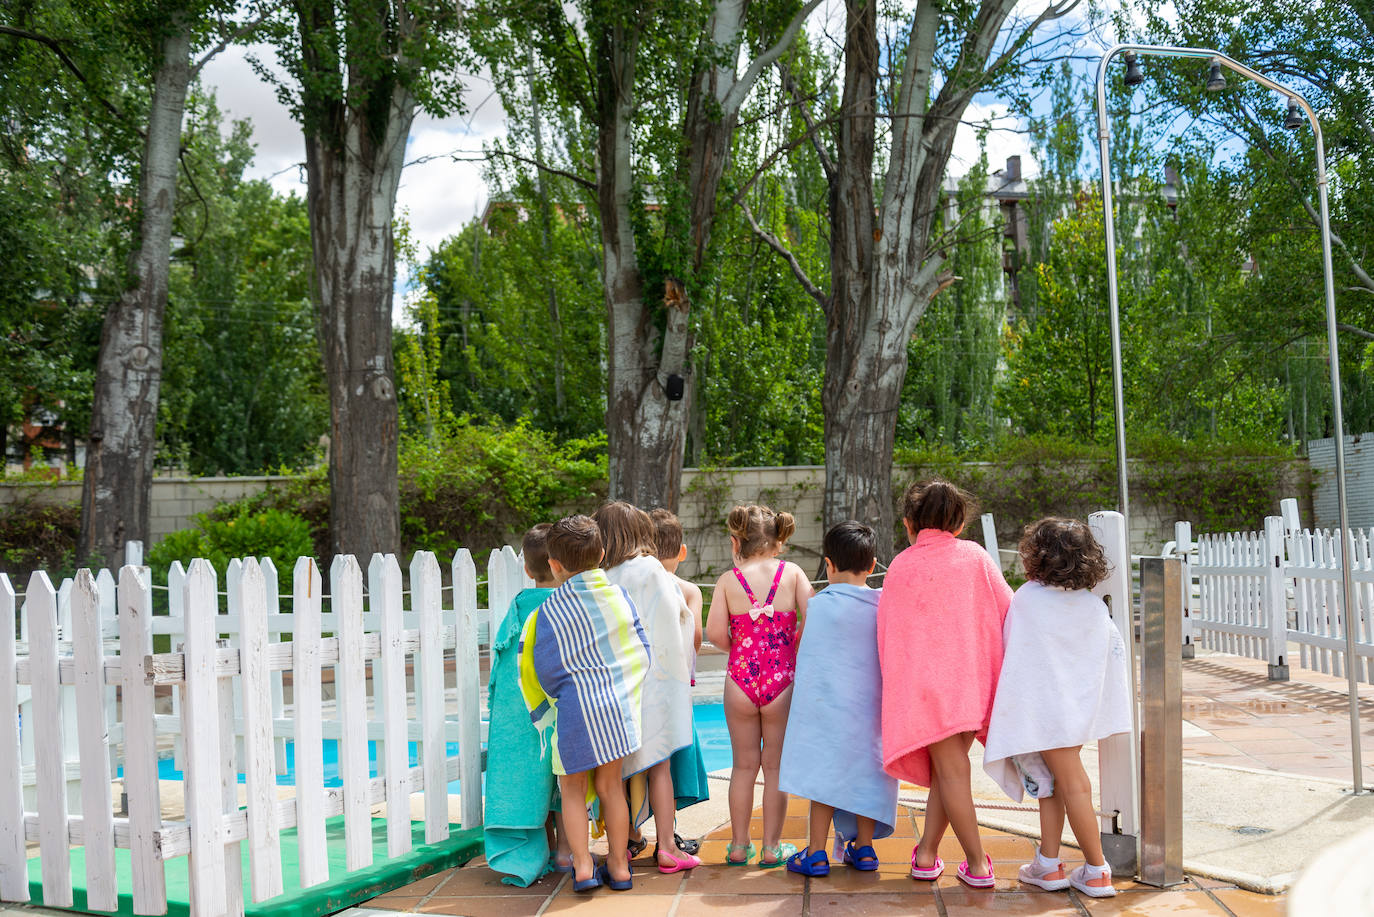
x,y
1052,879
1084,876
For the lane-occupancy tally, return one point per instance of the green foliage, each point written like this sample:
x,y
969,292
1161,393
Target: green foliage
x,y
220,537
1220,487
470,485
243,389
38,535
485,329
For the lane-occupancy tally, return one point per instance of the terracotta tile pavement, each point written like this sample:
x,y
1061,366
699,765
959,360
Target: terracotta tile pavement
x,y
716,890
1242,719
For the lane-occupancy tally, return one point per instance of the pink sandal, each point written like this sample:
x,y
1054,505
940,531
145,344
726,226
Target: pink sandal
x,y
926,873
687,862
987,881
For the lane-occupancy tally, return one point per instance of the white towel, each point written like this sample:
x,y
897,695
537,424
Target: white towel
x,y
1063,680
667,622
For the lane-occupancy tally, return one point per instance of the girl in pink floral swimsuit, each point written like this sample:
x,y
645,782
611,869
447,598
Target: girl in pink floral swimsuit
x,y
762,641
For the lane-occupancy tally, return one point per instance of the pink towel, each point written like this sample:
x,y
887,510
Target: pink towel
x,y
939,647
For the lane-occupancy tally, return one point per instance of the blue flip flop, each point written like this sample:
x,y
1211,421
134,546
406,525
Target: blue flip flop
x,y
587,885
603,874
815,864
864,859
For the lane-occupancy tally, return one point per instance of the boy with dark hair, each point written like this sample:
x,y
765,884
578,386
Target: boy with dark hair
x,y
832,753
583,660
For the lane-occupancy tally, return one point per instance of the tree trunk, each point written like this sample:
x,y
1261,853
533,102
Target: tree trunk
x,y
351,198
884,272
645,432
116,494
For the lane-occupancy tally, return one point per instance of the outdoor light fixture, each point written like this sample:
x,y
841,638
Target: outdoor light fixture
x,y
1215,81
1294,120
1133,75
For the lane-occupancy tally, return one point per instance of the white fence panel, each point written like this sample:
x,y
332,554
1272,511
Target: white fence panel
x,y
230,721
14,877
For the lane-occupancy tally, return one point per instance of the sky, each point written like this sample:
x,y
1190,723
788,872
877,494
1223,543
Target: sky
x,y
439,195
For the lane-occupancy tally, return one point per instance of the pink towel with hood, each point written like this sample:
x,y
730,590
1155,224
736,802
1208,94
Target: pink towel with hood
x,y
939,647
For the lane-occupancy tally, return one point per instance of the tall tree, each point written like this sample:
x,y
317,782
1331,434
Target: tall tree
x,y
121,445
363,69
599,58
887,263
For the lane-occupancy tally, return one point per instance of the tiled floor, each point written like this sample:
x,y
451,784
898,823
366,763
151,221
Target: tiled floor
x,y
1301,726
716,890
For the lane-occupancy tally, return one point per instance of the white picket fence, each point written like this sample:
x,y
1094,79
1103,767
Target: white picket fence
x,y
1256,593
80,644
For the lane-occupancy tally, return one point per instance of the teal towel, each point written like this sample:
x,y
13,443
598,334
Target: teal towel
x,y
689,774
520,784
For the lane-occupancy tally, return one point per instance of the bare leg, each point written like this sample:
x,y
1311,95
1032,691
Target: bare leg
x,y
949,758
573,787
865,832
1075,792
1051,824
821,814
774,716
933,829
615,811
746,732
664,805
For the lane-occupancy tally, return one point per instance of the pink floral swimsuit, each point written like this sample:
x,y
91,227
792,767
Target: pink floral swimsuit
x,y
763,646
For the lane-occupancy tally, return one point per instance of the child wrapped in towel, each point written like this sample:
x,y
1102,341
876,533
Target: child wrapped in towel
x,y
520,782
832,753
583,661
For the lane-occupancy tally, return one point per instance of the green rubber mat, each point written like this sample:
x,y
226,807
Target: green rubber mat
x,y
344,889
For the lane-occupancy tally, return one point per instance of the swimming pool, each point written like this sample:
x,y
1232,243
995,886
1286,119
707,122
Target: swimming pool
x,y
709,718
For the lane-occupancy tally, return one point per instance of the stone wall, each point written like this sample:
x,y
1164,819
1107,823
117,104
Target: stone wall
x,y
174,501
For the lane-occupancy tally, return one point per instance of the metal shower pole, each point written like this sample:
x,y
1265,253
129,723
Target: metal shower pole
x,y
1109,230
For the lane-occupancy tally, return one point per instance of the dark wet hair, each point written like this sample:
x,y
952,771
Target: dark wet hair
x,y
575,542
534,547
849,545
1063,552
759,528
937,504
626,530
667,533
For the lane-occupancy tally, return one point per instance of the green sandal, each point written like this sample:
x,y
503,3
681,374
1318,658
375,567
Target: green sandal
x,y
748,855
780,854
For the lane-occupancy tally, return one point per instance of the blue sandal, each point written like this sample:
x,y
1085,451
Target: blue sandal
x,y
587,885
864,859
603,874
815,864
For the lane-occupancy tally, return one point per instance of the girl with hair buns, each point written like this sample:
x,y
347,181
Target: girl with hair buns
x,y
761,636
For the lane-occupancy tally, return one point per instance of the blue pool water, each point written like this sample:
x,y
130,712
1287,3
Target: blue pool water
x,y
710,723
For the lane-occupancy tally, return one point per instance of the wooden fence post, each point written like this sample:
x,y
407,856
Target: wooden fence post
x,y
140,743
1119,756
990,539
259,760
1275,598
469,686
393,759
426,598
1183,547
272,589
176,625
14,875
201,723
305,704
48,742
346,601
97,817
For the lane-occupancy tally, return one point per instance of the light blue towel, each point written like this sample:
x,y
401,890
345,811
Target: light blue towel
x,y
832,752
520,782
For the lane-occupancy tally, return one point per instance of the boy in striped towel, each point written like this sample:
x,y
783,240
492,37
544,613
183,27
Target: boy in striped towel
x,y
583,660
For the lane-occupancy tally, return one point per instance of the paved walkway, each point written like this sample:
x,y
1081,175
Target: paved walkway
x,y
718,890
1247,742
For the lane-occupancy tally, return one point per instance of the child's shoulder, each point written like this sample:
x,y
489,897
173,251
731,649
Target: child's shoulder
x,y
843,595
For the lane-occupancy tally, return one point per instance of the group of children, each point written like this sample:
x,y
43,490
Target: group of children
x,y
885,685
